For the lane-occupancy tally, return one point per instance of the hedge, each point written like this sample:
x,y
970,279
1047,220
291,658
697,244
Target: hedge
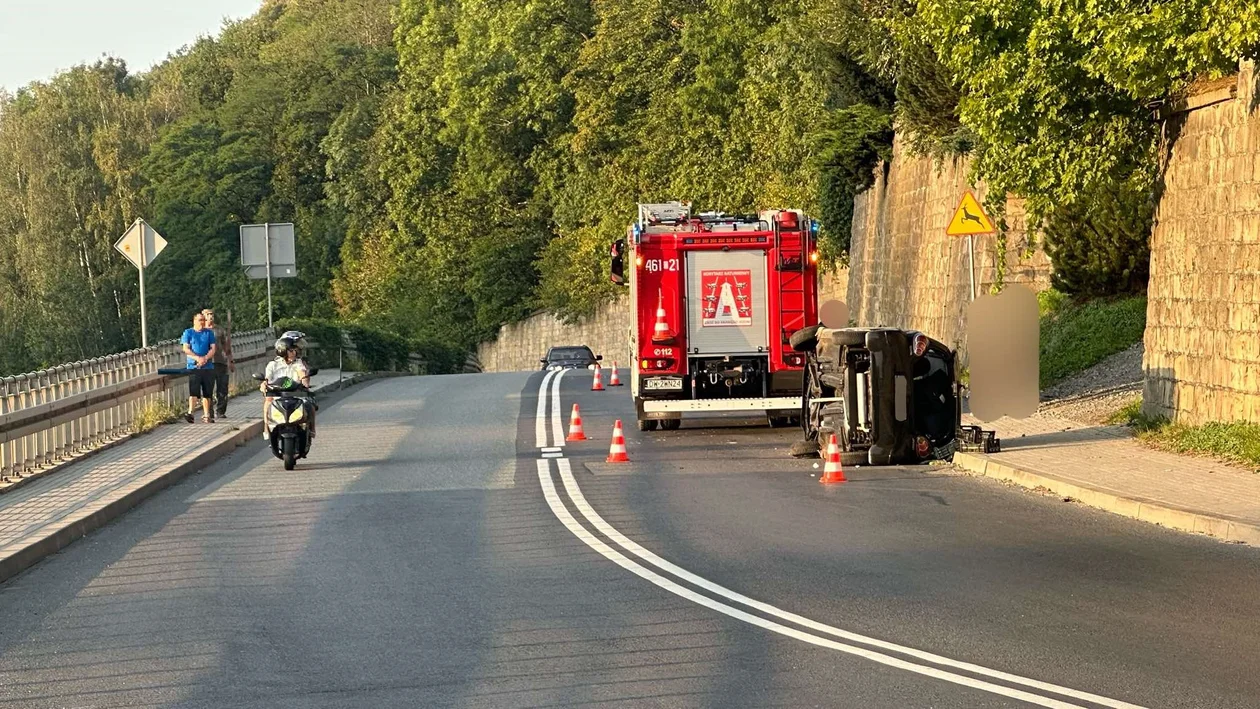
x,y
375,350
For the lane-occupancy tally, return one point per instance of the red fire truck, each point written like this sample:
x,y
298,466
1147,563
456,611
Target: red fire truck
x,y
714,299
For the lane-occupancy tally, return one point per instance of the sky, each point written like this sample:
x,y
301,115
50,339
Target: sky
x,y
38,38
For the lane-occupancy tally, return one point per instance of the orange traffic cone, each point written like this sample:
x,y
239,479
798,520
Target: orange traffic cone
x,y
833,472
617,451
614,380
575,426
598,383
661,332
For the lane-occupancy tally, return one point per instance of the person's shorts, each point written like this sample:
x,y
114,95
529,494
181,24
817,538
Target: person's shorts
x,y
201,383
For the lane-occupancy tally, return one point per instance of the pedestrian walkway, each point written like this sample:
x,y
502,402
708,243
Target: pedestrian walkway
x,y
46,514
1105,467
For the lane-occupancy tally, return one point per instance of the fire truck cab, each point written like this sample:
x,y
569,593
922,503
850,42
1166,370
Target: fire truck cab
x,y
714,299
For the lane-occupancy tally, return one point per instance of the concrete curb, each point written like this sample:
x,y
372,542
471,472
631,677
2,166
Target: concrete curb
x,y
17,559
1155,512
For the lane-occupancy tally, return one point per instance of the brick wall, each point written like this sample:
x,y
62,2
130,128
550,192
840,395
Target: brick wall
x,y
1202,360
905,272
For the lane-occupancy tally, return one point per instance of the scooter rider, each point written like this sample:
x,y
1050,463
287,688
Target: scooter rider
x,y
287,364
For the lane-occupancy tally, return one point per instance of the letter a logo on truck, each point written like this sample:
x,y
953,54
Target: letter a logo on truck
x,y
727,301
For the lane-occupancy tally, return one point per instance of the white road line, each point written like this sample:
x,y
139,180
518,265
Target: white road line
x,y
579,500
562,513
540,419
553,455
557,416
551,450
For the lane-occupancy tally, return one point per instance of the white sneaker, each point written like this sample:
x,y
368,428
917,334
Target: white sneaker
x,y
266,435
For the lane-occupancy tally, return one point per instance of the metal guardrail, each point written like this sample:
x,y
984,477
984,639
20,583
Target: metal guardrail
x,y
54,414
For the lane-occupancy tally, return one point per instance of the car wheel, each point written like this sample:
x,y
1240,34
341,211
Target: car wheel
x,y
847,338
805,339
854,458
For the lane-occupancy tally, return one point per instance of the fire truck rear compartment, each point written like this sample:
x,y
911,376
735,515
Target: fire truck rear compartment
x,y
728,377
726,304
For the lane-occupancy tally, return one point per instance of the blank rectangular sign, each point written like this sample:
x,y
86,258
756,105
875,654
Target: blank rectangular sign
x,y
254,245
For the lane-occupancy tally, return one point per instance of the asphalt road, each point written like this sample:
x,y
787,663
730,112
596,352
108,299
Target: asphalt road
x,y
429,555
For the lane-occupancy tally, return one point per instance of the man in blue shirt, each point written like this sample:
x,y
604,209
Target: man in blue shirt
x,y
199,346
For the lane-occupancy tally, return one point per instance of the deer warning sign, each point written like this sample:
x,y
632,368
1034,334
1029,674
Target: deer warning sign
x,y
969,219
727,298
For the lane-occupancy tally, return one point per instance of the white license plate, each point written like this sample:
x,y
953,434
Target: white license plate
x,y
667,383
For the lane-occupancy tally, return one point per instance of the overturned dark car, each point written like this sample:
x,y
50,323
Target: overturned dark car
x,y
890,396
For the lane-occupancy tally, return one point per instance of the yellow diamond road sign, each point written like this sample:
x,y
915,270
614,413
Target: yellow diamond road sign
x,y
129,244
969,219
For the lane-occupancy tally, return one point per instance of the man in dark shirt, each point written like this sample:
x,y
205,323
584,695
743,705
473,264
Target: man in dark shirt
x,y
224,363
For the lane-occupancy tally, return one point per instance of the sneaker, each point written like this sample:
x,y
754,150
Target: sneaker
x,y
188,417
266,435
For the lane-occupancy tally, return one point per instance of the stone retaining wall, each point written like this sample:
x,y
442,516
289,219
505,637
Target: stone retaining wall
x,y
905,272
1202,360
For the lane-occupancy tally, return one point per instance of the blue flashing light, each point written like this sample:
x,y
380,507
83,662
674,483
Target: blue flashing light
x,y
813,226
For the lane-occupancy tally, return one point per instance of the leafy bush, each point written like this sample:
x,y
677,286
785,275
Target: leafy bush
x,y
323,335
377,350
1101,246
1076,335
439,357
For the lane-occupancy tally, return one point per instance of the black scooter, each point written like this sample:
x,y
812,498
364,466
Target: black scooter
x,y
292,407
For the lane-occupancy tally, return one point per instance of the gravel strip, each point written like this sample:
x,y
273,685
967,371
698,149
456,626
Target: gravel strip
x,y
1096,393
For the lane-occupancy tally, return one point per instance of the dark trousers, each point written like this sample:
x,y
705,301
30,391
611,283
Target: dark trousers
x,y
221,379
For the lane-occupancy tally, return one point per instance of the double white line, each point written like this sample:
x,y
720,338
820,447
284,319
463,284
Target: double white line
x,y
822,635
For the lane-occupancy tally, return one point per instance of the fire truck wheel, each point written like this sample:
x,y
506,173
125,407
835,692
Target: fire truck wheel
x,y
780,421
647,424
671,424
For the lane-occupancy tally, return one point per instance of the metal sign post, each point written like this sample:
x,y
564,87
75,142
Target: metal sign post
x,y
971,262
144,312
268,251
267,240
141,245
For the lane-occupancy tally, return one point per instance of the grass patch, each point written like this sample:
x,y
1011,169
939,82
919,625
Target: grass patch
x,y
154,413
1131,415
1075,336
1234,442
